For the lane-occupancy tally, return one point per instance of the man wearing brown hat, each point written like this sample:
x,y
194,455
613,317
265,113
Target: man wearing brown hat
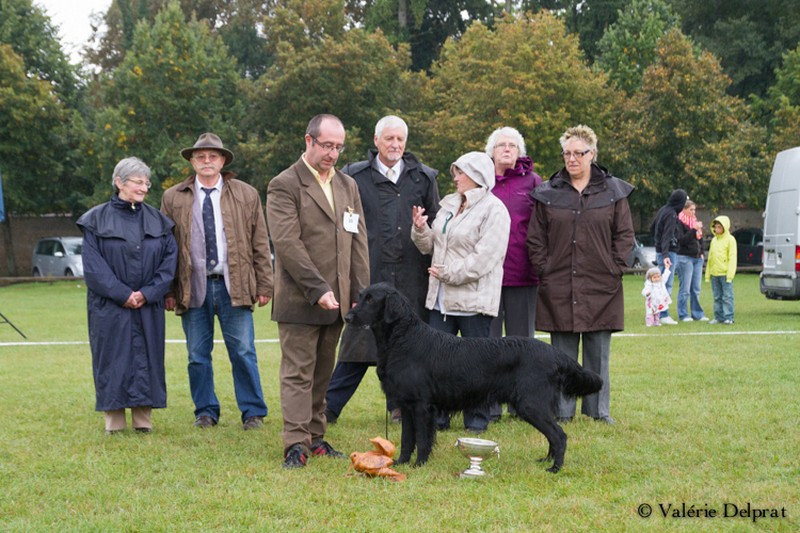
x,y
224,268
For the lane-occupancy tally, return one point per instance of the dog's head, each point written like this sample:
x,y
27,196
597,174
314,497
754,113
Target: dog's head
x,y
379,302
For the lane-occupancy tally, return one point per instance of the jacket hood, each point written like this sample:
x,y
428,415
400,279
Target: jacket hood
x,y
677,200
725,221
523,166
478,166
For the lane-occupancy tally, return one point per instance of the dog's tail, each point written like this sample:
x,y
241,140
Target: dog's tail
x,y
576,380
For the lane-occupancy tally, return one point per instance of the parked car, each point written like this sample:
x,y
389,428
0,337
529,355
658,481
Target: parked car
x,y
749,245
58,256
643,255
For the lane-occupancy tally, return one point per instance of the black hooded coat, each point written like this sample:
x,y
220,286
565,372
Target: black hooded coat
x,y
665,225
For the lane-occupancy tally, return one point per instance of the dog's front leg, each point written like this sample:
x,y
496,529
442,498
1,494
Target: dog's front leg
x,y
408,434
426,433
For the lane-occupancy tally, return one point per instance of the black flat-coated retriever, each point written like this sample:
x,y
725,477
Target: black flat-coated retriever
x,y
422,368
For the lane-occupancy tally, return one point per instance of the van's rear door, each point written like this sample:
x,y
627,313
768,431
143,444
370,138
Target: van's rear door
x,y
782,224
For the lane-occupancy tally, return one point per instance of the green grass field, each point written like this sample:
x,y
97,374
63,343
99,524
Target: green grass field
x,y
707,420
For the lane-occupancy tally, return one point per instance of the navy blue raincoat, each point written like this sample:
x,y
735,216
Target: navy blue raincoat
x,y
126,248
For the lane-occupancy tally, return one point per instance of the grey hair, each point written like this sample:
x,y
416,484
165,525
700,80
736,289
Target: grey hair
x,y
584,133
391,121
505,131
688,204
128,168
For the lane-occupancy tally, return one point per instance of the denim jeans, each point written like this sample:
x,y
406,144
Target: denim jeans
x,y
673,257
723,298
236,324
469,326
345,380
690,276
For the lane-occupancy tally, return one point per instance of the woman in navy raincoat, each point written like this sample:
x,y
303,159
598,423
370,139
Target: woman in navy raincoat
x,y
129,258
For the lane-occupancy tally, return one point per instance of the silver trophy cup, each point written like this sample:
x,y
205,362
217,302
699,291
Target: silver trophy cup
x,y
476,450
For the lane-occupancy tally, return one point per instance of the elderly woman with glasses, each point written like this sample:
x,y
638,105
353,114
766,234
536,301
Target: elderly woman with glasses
x,y
580,235
514,181
129,258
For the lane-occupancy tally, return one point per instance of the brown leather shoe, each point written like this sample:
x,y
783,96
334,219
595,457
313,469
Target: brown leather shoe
x,y
204,421
253,422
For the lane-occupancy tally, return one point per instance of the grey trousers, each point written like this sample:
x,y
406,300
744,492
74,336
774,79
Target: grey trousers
x,y
517,312
596,355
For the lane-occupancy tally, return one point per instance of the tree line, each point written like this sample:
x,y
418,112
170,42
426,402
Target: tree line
x,y
700,95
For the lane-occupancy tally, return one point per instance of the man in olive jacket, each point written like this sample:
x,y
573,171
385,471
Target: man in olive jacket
x,y
224,268
316,222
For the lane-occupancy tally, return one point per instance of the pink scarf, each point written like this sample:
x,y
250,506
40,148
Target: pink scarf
x,y
691,222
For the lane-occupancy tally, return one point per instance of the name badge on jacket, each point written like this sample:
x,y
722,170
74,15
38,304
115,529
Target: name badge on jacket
x,y
350,221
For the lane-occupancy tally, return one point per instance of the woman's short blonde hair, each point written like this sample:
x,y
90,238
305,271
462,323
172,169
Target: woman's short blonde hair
x,y
582,132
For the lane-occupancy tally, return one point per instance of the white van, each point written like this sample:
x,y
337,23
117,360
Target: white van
x,y
780,278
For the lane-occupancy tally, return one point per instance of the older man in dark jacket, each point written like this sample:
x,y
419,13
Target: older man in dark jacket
x,y
390,181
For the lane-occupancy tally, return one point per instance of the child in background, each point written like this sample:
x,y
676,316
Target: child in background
x,y
721,269
656,297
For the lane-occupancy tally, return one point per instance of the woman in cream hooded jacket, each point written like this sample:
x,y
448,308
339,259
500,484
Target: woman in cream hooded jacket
x,y
468,242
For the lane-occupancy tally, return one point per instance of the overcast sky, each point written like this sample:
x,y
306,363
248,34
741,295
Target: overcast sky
x,y
72,19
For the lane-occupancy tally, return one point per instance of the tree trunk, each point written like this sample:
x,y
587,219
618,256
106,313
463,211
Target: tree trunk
x,y
8,242
402,14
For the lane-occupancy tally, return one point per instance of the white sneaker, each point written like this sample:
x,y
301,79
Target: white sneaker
x,y
703,319
687,319
669,321
715,321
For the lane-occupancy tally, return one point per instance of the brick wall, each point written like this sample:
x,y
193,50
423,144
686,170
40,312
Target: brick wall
x,y
25,231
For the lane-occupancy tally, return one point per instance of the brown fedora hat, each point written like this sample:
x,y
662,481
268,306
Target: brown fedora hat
x,y
208,141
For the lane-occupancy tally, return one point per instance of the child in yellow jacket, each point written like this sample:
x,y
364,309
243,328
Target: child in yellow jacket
x,y
721,269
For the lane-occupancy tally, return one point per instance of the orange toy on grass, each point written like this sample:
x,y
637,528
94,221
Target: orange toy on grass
x,y
377,462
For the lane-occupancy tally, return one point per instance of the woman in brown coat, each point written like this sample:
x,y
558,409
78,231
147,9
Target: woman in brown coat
x,y
579,237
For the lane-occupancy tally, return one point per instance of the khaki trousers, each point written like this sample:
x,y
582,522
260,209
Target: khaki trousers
x,y
308,356
140,418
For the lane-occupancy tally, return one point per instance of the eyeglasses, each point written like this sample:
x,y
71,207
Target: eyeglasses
x,y
140,183
503,146
576,155
328,147
206,157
